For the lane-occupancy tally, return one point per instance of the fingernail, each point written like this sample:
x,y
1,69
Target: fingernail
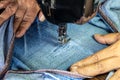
x,y
42,18
18,34
74,68
97,36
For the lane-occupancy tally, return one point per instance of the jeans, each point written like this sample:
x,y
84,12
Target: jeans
x,y
6,33
39,47
111,9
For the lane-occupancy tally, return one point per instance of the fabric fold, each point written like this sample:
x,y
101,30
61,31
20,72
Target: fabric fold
x,y
111,10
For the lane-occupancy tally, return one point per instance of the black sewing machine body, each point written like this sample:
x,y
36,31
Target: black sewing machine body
x,y
61,12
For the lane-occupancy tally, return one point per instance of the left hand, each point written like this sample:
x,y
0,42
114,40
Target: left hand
x,y
102,61
24,11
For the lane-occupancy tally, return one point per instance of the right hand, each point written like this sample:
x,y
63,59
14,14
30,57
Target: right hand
x,y
102,61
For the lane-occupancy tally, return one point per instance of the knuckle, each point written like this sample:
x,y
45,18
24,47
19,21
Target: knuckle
x,y
11,9
84,71
28,18
99,67
22,8
95,57
1,18
16,22
17,18
23,25
117,77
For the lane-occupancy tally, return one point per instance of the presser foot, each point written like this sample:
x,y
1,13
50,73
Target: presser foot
x,y
62,34
63,39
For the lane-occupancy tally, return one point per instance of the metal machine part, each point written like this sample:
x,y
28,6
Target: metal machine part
x,y
62,34
62,11
65,11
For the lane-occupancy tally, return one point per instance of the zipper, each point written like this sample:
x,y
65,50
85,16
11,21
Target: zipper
x,y
54,71
110,23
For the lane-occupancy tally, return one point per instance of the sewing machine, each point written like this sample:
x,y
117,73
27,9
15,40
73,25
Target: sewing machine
x,y
60,12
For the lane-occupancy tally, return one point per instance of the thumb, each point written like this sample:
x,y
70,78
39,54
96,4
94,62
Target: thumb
x,y
108,38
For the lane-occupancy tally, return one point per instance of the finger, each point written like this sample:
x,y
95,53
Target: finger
x,y
108,52
4,3
116,76
99,67
8,12
41,16
18,17
29,17
107,39
100,55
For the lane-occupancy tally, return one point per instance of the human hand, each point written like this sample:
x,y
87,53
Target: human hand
x,y
25,12
102,61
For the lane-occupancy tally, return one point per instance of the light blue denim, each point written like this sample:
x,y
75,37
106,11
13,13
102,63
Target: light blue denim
x,y
38,76
111,8
6,33
42,75
39,47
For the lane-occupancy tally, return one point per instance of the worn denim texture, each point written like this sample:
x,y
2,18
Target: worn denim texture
x,y
111,8
39,48
6,33
38,76
46,74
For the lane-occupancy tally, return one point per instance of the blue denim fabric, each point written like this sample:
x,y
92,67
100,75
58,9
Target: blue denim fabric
x,y
111,8
5,39
38,76
39,47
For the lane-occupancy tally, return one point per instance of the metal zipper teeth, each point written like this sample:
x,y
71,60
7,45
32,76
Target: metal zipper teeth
x,y
107,19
